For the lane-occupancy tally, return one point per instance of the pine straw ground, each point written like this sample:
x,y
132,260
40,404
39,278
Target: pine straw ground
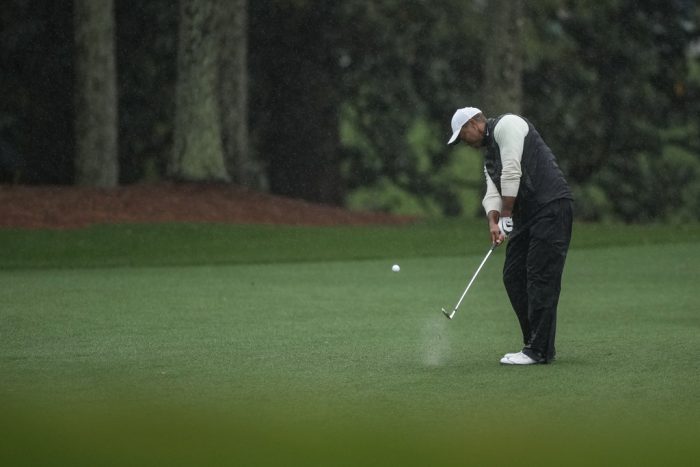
x,y
68,207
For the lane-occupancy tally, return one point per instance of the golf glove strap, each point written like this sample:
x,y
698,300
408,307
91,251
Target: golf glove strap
x,y
506,225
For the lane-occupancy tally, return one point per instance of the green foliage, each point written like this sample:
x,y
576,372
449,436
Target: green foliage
x,y
646,187
452,187
385,196
589,68
604,83
399,103
677,174
592,203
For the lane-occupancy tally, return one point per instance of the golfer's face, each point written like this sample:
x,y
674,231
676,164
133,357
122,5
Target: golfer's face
x,y
471,134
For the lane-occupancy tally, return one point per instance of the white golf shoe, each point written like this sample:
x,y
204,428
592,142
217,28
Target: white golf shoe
x,y
517,359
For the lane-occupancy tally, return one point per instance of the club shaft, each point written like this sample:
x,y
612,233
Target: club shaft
x,y
472,280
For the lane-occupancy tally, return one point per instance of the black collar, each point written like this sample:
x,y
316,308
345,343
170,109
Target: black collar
x,y
488,136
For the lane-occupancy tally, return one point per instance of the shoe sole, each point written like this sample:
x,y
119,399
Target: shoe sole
x,y
506,361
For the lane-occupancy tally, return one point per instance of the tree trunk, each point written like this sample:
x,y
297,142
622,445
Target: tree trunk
x,y
197,149
96,159
233,91
503,64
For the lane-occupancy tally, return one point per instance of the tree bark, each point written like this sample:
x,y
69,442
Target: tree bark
x,y
503,64
197,150
233,91
96,159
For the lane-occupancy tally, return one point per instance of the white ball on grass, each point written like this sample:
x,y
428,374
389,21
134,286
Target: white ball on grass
x,y
395,268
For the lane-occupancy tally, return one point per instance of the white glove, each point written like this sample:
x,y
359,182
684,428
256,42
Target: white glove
x,y
506,225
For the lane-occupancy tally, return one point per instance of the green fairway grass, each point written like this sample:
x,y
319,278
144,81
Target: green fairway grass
x,y
224,345
202,244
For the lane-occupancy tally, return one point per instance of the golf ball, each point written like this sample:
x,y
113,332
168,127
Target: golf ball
x,y
395,268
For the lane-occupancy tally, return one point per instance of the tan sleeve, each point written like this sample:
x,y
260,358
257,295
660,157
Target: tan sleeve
x,y
510,133
492,199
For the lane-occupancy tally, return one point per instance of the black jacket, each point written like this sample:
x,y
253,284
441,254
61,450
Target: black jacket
x,y
542,180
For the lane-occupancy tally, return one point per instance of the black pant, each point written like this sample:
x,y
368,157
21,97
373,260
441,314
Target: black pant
x,y
532,275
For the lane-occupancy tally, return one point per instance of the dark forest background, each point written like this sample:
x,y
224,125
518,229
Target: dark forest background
x,y
349,103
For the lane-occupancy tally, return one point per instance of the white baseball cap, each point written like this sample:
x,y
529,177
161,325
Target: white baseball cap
x,y
461,117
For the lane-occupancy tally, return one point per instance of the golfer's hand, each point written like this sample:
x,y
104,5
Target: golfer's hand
x,y
505,224
497,236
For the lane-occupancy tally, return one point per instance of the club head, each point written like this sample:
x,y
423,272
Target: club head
x,y
448,315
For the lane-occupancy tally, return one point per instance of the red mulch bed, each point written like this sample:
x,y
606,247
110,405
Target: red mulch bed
x,y
66,207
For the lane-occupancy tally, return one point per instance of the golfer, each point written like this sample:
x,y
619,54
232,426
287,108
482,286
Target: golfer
x,y
529,202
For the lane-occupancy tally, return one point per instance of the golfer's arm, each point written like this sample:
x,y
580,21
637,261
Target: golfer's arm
x,y
492,199
510,133
507,206
493,217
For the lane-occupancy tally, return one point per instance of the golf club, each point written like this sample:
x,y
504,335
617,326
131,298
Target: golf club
x,y
451,315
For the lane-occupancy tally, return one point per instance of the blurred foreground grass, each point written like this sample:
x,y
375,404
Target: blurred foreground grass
x,y
131,436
